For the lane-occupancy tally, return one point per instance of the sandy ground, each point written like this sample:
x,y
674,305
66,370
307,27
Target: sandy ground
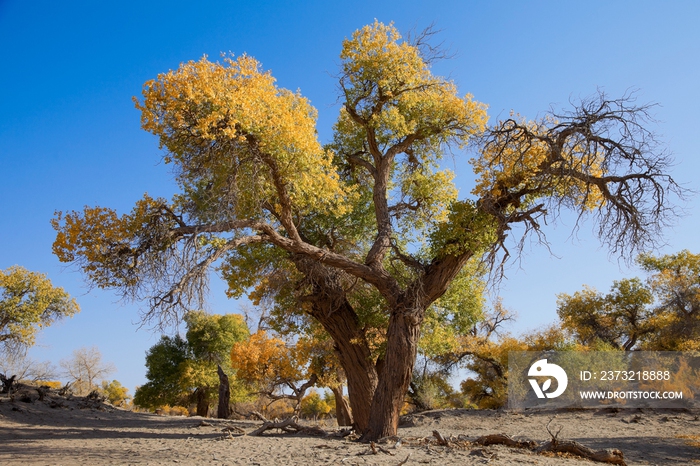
x,y
59,431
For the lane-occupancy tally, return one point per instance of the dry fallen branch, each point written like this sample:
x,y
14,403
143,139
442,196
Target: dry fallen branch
x,y
440,439
610,455
342,433
291,426
375,449
233,429
503,439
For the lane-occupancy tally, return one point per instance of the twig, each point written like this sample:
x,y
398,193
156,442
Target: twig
x,y
440,439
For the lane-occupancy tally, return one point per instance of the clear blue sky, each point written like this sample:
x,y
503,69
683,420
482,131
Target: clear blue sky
x,y
70,136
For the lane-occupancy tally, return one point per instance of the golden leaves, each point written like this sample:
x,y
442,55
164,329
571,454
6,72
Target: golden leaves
x,y
104,244
230,123
262,359
29,302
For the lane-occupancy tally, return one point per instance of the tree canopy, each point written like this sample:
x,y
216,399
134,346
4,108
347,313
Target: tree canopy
x,y
86,369
29,302
364,234
180,371
661,313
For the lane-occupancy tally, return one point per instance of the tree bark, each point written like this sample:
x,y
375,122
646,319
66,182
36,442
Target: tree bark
x,y
342,408
224,410
331,308
202,402
355,357
397,369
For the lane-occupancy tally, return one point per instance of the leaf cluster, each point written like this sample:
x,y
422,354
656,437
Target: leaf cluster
x,y
28,303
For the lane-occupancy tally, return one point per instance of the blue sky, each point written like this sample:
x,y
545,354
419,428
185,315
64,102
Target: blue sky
x,y
70,135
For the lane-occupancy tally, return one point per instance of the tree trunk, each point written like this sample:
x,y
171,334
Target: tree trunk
x,y
342,408
7,383
395,376
355,358
330,307
202,402
224,410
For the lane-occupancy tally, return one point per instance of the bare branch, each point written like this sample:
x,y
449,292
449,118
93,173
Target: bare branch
x,y
600,160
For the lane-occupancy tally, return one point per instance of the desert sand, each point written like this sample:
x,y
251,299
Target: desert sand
x,y
74,430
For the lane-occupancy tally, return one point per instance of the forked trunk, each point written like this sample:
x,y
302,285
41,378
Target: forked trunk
x,y
402,343
330,307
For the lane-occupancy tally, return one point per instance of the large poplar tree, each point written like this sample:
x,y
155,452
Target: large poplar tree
x,y
365,234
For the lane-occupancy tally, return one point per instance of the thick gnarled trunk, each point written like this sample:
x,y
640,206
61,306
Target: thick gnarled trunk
x,y
355,357
395,376
331,308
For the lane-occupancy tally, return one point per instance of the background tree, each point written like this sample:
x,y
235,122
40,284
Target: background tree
x,y
116,394
674,280
26,368
314,405
164,366
620,319
180,369
209,339
272,368
483,352
29,302
659,314
370,227
85,369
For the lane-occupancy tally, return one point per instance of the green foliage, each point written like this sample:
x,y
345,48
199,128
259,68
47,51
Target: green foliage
x,y
28,303
455,313
178,367
164,366
467,229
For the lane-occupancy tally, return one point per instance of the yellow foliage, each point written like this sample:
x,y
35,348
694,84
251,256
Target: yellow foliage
x,y
28,303
101,241
55,384
261,359
314,405
413,99
235,108
168,410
